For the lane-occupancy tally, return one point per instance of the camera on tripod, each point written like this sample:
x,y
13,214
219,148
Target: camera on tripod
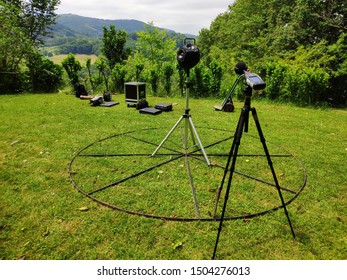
x,y
253,80
188,55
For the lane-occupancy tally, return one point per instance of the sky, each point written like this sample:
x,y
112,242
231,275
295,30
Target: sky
x,y
182,16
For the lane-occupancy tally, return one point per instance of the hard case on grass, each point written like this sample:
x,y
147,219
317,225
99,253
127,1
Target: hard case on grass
x,y
134,92
164,107
150,111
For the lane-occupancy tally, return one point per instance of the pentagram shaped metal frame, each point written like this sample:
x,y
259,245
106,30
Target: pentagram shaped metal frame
x,y
119,172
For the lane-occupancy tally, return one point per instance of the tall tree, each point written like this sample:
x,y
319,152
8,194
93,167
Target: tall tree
x,y
14,44
35,17
155,45
24,25
113,45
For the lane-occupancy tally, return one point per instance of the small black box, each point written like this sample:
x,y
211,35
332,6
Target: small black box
x,y
164,107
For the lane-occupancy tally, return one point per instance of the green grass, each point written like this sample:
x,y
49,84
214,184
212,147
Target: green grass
x,y
40,210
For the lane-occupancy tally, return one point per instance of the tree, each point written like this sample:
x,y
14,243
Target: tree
x,y
37,16
72,66
300,43
101,64
113,45
168,70
14,45
154,45
23,26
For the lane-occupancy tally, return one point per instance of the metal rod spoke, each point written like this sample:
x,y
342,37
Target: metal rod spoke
x,y
134,175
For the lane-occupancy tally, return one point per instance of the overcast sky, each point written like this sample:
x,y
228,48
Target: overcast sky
x,y
183,16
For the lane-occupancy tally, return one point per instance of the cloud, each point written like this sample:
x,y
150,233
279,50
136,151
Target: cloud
x,y
184,16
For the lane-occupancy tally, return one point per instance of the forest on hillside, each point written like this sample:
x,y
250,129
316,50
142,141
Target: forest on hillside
x,y
82,35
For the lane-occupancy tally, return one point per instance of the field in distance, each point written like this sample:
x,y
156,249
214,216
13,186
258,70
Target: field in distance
x,y
80,57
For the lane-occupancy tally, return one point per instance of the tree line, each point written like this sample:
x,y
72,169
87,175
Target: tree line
x,y
297,47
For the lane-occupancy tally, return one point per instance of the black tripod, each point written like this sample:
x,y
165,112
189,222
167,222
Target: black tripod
x,y
243,126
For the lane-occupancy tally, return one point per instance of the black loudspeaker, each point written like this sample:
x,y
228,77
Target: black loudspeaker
x,y
188,56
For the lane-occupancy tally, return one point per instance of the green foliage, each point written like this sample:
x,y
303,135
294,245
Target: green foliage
x,y
154,45
153,60
216,77
181,76
46,76
101,65
168,70
64,45
89,66
201,81
154,79
297,45
207,80
118,77
23,26
72,67
296,84
113,45
14,46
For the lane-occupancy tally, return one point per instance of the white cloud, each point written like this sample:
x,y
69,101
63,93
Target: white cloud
x,y
184,16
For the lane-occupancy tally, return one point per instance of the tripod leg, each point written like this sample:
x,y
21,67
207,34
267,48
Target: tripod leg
x,y
226,167
191,132
199,141
233,154
167,136
263,141
191,181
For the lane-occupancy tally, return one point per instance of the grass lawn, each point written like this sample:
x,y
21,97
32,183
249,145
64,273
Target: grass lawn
x,y
42,215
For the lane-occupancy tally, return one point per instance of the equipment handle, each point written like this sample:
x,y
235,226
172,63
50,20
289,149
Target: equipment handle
x,y
189,39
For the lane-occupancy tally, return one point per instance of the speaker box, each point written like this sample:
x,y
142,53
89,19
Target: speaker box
x,y
134,92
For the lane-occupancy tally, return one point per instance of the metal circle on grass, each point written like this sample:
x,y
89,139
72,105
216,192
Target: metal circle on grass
x,y
120,172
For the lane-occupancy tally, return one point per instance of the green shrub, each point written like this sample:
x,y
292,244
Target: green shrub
x,y
296,84
46,76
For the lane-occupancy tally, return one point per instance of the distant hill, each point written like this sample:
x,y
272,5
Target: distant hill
x,y
70,25
82,35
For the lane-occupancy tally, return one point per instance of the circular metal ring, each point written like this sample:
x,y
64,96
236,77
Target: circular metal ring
x,y
119,172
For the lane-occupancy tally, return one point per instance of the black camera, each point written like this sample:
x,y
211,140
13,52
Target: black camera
x,y
188,55
252,79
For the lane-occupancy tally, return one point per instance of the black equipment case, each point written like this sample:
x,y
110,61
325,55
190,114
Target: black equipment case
x,y
164,107
150,111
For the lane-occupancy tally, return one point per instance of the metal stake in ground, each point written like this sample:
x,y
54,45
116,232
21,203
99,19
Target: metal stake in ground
x,y
243,125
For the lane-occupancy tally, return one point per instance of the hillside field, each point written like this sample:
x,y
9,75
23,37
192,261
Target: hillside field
x,y
80,57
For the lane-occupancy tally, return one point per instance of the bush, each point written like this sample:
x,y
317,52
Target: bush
x,y
118,77
11,82
297,84
72,67
45,75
